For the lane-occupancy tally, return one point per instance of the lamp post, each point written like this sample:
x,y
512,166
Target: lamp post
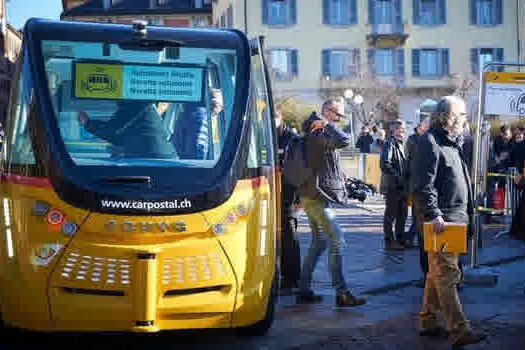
x,y
355,101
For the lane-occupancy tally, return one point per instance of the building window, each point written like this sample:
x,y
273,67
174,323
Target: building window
x,y
384,62
340,63
387,63
201,21
155,21
107,4
340,12
429,12
198,4
223,21
279,12
486,12
430,63
385,15
481,56
283,63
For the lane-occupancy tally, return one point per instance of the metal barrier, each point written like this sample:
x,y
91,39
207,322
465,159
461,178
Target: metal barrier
x,y
508,211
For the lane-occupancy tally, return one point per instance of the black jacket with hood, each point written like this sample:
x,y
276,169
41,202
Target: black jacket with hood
x,y
443,185
322,149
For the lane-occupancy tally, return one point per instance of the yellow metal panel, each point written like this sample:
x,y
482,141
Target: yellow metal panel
x,y
372,170
505,77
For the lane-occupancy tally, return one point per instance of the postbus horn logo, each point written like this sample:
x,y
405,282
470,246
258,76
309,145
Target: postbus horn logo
x,y
99,82
517,104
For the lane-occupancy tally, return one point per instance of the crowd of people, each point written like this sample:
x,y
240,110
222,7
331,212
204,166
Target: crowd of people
x,y
428,170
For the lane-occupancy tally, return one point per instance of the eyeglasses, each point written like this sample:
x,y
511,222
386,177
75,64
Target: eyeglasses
x,y
338,114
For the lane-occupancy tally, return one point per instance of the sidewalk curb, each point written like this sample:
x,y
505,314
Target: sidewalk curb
x,y
407,283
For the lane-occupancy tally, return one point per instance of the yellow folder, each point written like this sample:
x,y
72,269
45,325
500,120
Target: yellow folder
x,y
452,240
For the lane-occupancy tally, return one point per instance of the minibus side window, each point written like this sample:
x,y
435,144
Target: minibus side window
x,y
20,147
261,141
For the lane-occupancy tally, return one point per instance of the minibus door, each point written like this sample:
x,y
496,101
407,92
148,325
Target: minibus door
x,y
264,97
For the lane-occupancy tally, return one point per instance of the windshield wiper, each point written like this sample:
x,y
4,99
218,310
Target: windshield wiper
x,y
126,179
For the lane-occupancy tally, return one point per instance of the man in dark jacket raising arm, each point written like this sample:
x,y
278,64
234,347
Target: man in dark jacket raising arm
x,y
323,142
444,192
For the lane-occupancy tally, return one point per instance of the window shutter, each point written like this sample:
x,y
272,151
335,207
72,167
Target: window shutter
x,y
415,62
325,58
473,18
295,63
398,8
498,57
326,11
353,11
498,54
415,11
371,64
497,9
445,58
371,18
442,11
264,11
400,62
292,18
474,61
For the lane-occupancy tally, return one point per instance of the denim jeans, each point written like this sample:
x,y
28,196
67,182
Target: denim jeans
x,y
321,216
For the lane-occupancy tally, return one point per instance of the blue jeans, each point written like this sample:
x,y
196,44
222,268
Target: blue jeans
x,y
321,216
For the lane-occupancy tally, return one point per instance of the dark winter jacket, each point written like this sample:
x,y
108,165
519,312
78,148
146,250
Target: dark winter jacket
x,y
392,162
442,184
364,143
136,130
322,148
411,165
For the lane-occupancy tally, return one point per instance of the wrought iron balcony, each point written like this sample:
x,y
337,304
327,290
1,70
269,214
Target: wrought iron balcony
x,y
384,34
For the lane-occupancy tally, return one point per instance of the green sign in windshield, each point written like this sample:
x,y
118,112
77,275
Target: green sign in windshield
x,y
138,82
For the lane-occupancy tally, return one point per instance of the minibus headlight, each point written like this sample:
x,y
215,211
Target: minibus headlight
x,y
55,218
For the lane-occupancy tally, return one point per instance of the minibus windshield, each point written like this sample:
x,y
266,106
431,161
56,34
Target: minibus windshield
x,y
129,107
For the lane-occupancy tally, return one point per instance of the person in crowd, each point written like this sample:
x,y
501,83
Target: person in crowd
x,y
502,146
517,154
365,140
517,229
425,113
377,147
518,161
444,192
196,135
468,147
392,163
410,145
290,247
324,140
133,120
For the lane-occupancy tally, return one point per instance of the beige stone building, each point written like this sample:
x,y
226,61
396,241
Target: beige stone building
x,y
400,50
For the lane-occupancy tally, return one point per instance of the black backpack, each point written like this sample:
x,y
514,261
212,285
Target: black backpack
x,y
296,171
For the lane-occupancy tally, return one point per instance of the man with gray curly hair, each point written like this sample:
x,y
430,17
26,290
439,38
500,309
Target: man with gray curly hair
x,y
443,189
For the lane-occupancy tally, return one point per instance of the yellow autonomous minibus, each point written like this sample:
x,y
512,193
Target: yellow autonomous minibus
x,y
139,186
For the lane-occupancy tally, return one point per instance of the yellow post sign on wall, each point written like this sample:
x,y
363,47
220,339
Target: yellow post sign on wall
x,y
95,80
504,93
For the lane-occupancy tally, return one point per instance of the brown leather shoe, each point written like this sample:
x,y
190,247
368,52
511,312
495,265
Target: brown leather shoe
x,y
469,338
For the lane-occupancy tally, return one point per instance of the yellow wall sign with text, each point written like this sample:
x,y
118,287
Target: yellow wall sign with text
x,y
504,93
95,80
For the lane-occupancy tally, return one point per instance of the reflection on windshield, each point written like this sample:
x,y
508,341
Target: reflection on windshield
x,y
141,108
